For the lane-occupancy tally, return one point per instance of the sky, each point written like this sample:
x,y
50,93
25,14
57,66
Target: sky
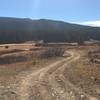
x,y
86,12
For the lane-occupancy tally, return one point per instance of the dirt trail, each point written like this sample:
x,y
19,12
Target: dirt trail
x,y
49,83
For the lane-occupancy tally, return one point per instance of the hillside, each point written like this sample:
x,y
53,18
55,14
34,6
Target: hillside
x,y
14,30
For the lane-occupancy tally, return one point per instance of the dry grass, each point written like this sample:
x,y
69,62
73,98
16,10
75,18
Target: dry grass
x,y
84,74
81,73
16,62
12,63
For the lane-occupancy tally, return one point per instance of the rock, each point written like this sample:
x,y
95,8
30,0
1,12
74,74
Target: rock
x,y
82,96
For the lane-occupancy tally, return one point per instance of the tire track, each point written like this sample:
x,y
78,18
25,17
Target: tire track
x,y
49,83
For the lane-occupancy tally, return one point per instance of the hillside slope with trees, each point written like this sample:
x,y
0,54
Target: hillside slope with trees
x,y
17,30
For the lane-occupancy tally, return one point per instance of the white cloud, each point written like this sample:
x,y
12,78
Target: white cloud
x,y
91,23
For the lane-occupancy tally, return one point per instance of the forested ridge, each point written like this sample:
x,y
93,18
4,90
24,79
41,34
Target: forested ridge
x,y
16,30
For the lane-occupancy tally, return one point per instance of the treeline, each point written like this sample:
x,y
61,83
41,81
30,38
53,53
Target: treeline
x,y
14,30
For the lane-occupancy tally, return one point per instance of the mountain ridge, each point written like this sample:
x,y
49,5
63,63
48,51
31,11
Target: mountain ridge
x,y
25,29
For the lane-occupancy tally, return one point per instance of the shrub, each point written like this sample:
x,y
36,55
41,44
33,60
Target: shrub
x,y
6,47
53,52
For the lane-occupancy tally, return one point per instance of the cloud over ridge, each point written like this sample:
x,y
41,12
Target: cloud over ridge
x,y
91,23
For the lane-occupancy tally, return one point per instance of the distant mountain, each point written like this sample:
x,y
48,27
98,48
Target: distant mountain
x,y
14,30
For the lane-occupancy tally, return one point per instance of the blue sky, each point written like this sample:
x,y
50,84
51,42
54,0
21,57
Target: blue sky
x,y
78,11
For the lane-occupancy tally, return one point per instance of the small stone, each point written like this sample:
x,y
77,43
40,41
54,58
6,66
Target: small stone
x,y
82,96
62,92
92,78
8,87
53,94
72,96
71,93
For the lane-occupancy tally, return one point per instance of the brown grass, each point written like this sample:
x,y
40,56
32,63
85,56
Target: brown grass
x,y
84,74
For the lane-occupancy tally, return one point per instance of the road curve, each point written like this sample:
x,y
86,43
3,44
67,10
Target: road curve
x,y
49,83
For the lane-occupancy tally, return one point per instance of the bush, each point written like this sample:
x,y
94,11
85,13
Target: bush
x,y
53,52
6,47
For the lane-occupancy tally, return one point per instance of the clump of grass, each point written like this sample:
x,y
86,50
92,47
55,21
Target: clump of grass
x,y
35,61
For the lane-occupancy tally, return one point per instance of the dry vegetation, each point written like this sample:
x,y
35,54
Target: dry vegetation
x,y
52,52
15,62
85,73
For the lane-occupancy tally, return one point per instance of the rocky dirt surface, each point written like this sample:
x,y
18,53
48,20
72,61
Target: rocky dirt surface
x,y
84,74
49,83
45,83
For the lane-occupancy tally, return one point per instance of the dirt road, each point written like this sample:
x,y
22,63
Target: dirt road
x,y
49,83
